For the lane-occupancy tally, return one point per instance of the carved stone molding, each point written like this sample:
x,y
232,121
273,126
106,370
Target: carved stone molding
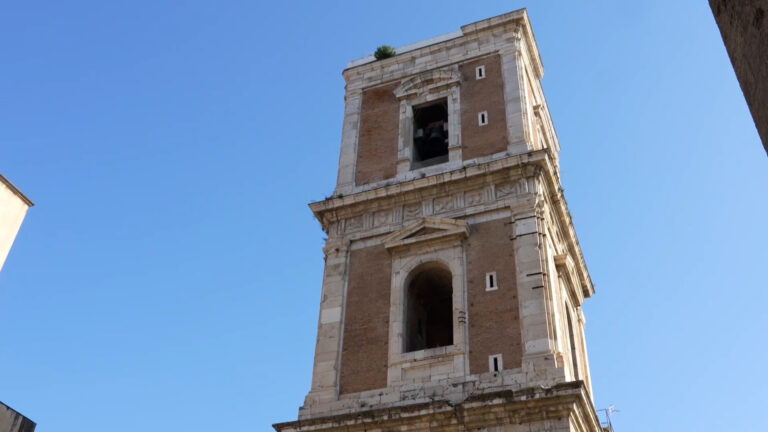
x,y
427,82
427,229
438,206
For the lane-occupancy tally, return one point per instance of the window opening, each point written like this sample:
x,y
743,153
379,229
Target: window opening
x,y
482,118
429,309
480,72
491,283
495,363
430,134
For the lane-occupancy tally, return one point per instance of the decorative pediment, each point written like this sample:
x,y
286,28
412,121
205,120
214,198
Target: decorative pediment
x,y
427,230
426,82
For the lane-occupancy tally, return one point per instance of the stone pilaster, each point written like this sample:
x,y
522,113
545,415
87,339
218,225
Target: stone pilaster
x,y
536,319
325,373
347,156
514,97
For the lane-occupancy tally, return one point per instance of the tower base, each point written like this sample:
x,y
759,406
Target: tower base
x,y
563,407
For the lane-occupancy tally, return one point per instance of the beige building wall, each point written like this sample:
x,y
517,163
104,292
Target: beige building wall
x,y
13,208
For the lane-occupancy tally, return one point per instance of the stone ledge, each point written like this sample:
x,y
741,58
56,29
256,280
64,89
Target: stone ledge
x,y
423,49
321,208
566,402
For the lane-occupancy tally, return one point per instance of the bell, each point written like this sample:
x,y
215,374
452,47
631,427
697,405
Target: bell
x,y
436,136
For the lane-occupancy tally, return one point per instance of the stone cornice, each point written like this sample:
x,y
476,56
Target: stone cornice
x,y
562,401
334,209
566,222
325,211
469,33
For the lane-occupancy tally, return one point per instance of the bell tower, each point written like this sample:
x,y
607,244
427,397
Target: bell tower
x,y
453,283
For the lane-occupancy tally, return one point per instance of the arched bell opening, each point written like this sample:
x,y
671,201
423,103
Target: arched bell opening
x,y
428,308
430,134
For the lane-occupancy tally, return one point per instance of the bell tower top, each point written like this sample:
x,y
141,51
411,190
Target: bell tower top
x,y
461,99
453,277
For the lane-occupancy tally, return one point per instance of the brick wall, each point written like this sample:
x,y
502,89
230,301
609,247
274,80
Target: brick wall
x,y
366,323
494,322
482,95
377,140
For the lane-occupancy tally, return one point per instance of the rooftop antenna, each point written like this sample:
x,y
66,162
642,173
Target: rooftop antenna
x,y
608,426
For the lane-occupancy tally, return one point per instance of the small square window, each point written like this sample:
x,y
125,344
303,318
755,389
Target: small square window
x,y
495,363
480,72
482,118
491,283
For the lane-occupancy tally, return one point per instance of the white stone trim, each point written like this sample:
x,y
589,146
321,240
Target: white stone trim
x,y
445,228
349,135
511,67
325,373
421,89
566,268
330,315
459,43
410,47
427,82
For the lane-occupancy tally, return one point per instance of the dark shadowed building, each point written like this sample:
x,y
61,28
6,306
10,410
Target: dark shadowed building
x,y
13,421
744,27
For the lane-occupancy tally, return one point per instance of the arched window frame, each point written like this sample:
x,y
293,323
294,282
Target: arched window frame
x,y
410,327
441,244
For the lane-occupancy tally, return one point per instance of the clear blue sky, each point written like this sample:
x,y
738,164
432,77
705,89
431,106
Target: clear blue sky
x,y
169,276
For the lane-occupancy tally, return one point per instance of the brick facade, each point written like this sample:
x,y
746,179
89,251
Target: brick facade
x,y
478,95
494,323
377,143
366,324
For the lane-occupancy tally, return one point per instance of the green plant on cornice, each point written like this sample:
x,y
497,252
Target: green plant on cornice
x,y
384,51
